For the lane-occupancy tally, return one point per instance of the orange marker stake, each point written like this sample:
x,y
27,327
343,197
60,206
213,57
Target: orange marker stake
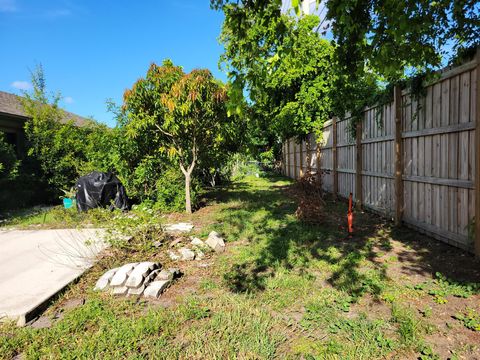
x,y
350,216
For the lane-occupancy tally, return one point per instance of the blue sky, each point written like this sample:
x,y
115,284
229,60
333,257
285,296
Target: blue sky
x,y
94,50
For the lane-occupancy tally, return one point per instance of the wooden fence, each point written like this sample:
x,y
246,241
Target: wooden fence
x,y
411,160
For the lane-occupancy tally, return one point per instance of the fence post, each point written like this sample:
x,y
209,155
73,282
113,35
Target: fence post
x,y
308,155
287,171
319,164
397,103
359,166
477,160
294,160
301,159
334,155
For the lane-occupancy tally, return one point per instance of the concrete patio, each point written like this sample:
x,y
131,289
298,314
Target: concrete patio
x,y
36,264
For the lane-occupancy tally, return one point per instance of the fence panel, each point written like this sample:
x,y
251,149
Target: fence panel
x,y
438,157
346,153
326,156
378,160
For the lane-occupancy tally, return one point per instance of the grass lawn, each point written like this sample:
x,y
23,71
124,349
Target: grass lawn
x,y
283,289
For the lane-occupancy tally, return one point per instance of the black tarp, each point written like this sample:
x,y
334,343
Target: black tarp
x,y
99,189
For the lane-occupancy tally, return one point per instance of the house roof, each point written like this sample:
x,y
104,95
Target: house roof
x,y
10,104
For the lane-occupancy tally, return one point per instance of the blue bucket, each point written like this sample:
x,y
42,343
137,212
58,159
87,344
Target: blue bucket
x,y
67,203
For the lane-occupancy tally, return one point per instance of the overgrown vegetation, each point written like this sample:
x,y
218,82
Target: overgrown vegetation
x,y
283,289
149,149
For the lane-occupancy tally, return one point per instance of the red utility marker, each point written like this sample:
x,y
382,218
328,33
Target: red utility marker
x,y
350,215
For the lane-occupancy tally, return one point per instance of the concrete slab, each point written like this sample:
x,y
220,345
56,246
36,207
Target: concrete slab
x,y
36,264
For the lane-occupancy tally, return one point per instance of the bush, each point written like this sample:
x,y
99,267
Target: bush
x,y
8,161
170,191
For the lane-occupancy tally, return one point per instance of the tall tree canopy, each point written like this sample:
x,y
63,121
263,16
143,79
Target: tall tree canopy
x,y
283,66
375,43
394,37
186,114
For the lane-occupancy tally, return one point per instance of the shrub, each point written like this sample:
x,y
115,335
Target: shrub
x,y
8,160
170,190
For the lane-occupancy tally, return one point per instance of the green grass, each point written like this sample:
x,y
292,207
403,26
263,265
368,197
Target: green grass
x,y
284,289
56,217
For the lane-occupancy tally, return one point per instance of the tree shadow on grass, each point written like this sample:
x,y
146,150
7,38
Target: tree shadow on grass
x,y
264,216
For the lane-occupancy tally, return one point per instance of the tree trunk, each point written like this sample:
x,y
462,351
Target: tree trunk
x,y
188,179
188,202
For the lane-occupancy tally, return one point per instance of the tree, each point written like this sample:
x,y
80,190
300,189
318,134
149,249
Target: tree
x,y
186,112
63,149
377,43
282,64
55,145
397,37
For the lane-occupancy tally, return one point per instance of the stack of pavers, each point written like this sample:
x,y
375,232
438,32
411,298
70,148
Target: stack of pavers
x,y
144,278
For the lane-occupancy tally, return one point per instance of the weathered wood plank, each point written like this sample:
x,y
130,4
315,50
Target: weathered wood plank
x,y
437,103
358,166
294,160
301,154
476,161
465,98
465,184
335,156
440,130
399,190
445,103
463,156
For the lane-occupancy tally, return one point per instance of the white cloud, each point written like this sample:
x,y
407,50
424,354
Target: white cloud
x,y
21,85
8,6
69,100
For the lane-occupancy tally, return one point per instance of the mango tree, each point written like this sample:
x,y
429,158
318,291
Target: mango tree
x,y
186,112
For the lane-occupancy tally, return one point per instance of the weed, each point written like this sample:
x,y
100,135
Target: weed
x,y
208,284
470,319
441,287
426,312
409,327
426,353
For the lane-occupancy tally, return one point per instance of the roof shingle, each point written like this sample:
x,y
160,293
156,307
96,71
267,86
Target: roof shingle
x,y
11,104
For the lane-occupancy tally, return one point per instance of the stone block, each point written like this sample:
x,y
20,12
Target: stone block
x,y
155,288
199,255
136,291
138,274
164,275
119,290
176,272
180,227
215,241
173,255
121,275
104,280
186,254
197,242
